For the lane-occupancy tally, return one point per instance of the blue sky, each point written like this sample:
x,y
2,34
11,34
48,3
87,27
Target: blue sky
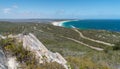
x,y
80,9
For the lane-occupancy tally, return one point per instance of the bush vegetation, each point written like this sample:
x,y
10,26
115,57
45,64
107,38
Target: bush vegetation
x,y
25,57
77,55
117,46
85,63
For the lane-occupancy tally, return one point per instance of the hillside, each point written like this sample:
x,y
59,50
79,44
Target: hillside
x,y
80,53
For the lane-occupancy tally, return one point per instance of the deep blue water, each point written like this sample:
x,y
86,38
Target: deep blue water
x,y
110,25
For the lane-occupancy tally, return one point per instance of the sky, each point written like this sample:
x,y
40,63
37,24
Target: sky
x,y
60,9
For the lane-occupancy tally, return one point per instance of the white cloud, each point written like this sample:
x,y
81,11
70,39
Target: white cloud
x,y
7,10
10,9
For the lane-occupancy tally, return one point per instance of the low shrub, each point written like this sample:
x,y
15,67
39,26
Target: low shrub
x,y
117,46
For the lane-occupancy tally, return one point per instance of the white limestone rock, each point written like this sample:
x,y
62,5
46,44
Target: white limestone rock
x,y
3,60
31,43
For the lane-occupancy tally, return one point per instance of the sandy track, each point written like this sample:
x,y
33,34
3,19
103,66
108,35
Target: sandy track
x,y
97,41
92,47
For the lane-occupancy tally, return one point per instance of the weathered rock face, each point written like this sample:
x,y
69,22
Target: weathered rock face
x,y
12,63
3,60
31,43
2,37
7,61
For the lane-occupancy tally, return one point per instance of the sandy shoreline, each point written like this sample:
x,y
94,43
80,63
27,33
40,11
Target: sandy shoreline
x,y
59,23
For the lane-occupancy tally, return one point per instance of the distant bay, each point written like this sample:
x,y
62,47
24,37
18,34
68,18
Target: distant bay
x,y
110,25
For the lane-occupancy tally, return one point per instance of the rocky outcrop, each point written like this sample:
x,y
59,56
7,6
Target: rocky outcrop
x,y
7,61
31,43
12,63
2,37
3,60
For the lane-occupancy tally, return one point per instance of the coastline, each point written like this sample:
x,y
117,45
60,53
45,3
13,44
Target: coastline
x,y
59,23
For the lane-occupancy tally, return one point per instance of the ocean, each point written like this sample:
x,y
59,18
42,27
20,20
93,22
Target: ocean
x,y
110,25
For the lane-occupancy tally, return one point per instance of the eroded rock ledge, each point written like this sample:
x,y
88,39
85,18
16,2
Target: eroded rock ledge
x,y
32,44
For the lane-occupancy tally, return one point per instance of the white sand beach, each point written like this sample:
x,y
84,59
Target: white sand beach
x,y
59,23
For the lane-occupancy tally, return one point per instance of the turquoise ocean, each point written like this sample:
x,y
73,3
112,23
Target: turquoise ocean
x,y
110,25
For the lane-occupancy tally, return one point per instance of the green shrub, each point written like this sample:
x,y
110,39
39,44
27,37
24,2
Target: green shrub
x,y
25,57
117,46
85,63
